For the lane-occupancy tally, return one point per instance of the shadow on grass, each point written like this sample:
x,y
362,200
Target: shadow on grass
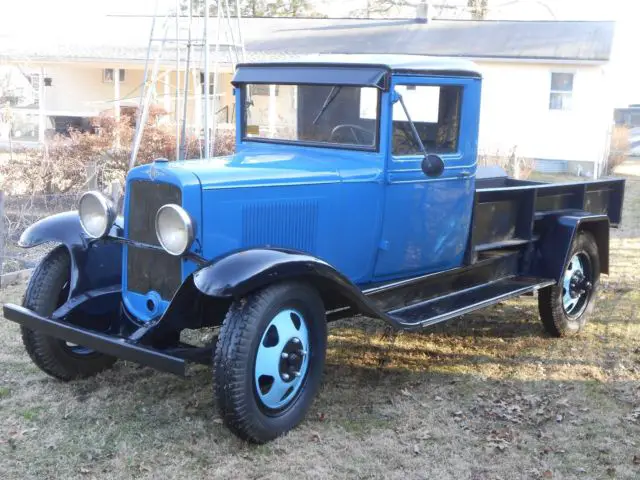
x,y
501,321
407,357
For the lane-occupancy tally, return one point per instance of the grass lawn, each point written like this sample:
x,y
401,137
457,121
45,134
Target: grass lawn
x,y
486,396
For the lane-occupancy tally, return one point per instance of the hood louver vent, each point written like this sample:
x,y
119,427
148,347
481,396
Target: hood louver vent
x,y
288,224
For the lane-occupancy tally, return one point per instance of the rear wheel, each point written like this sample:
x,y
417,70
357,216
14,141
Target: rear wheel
x,y
269,359
48,289
565,307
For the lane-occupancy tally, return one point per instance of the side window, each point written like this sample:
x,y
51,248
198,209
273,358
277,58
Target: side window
x,y
561,91
435,111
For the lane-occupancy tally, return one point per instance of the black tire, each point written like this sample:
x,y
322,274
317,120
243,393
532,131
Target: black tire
x,y
235,358
47,290
556,320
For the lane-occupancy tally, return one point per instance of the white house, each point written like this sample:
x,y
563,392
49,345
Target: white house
x,y
546,87
545,91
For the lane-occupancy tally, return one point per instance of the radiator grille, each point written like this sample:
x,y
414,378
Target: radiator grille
x,y
150,269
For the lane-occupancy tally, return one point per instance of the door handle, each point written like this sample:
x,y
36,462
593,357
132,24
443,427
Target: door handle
x,y
465,173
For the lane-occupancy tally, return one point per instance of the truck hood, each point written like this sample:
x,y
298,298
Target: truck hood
x,y
261,169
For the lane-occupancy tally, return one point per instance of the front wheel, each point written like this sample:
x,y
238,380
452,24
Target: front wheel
x,y
48,289
565,307
269,359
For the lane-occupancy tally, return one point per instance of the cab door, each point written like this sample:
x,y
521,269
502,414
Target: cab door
x,y
427,220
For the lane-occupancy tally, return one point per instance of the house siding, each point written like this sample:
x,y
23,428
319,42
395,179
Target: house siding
x,y
78,90
515,113
515,107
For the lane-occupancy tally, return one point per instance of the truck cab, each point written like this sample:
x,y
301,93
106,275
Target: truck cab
x,y
354,189
392,219
327,164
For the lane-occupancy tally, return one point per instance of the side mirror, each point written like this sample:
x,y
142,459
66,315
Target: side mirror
x,y
432,165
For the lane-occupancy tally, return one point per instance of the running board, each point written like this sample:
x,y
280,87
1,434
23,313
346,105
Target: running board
x,y
458,303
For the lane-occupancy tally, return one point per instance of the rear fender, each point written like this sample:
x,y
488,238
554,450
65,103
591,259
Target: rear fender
x,y
557,237
95,264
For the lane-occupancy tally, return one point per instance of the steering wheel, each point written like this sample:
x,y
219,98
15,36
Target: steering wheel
x,y
352,128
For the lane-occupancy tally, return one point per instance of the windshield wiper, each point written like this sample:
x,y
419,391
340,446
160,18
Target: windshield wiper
x,y
330,98
432,165
414,130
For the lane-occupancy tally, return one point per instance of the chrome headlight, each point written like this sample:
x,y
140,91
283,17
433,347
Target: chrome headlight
x,y
174,229
96,214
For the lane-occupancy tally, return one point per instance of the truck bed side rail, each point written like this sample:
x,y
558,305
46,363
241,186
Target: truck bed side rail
x,y
507,216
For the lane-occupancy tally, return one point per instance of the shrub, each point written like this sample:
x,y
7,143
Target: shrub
x,y
510,162
618,149
62,165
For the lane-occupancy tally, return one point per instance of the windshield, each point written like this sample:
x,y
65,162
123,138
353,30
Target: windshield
x,y
312,114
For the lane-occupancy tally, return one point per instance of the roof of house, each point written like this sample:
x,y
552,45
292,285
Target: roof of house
x,y
544,40
125,38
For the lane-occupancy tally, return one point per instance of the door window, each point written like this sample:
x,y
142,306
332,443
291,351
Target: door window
x,y
435,112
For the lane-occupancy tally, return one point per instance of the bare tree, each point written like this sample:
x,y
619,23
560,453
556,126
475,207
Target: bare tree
x,y
256,8
381,8
478,9
10,93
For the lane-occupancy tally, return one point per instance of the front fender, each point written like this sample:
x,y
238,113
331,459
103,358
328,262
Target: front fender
x,y
558,235
62,228
240,273
95,264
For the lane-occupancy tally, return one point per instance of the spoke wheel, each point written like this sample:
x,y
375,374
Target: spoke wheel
x,y
269,359
565,308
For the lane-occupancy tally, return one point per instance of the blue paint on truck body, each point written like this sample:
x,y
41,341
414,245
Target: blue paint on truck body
x,y
356,175
372,215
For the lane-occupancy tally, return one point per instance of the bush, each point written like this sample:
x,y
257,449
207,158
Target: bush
x,y
515,166
619,148
62,165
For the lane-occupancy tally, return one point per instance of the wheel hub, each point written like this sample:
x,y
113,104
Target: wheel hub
x,y
282,360
576,285
291,359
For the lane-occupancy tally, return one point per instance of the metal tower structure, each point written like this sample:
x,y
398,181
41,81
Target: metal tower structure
x,y
189,33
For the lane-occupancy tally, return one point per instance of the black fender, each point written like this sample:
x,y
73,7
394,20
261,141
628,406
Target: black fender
x,y
557,235
95,263
239,273
205,296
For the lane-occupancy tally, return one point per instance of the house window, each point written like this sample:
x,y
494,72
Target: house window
x,y
107,75
211,83
435,112
561,91
35,79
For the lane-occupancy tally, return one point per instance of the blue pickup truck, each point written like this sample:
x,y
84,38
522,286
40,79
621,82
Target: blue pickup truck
x,y
354,190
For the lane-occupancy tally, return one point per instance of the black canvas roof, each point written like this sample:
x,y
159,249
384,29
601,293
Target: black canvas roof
x,y
388,62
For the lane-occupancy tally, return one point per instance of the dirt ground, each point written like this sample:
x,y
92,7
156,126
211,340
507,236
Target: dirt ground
x,y
486,396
